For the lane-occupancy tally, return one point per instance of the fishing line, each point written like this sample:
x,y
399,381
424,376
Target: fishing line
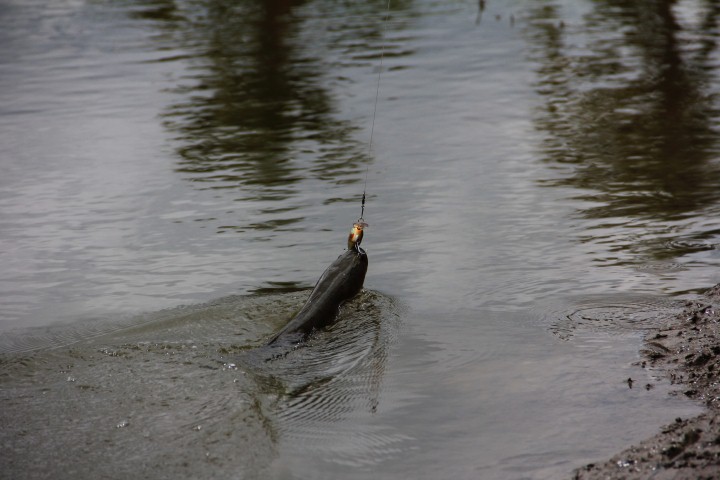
x,y
377,95
377,89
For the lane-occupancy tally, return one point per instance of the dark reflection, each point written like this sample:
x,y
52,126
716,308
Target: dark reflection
x,y
481,9
279,287
631,114
158,10
258,108
256,94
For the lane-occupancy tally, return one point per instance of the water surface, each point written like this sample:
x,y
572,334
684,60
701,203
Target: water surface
x,y
177,174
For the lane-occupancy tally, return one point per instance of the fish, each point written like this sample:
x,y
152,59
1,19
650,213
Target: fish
x,y
340,282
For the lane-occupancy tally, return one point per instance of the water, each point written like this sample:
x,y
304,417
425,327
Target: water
x,y
176,174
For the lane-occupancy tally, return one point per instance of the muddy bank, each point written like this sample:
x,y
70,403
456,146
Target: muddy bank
x,y
687,347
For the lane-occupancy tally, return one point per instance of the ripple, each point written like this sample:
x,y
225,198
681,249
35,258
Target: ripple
x,y
612,316
687,246
323,394
660,267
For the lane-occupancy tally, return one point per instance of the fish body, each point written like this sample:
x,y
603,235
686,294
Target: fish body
x,y
341,281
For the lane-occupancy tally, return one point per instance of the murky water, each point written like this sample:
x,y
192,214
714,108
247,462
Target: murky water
x,y
544,178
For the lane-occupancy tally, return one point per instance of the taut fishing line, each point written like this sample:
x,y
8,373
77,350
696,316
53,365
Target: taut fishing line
x,y
377,95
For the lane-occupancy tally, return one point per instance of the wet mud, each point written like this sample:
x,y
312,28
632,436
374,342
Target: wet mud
x,y
687,348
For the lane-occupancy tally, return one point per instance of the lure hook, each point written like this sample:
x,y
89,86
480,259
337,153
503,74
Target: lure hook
x,y
356,234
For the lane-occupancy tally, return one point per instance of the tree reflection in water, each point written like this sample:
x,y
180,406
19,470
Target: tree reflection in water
x,y
631,120
256,109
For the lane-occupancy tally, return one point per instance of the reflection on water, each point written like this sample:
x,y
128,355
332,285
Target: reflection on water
x,y
257,113
258,106
630,121
253,99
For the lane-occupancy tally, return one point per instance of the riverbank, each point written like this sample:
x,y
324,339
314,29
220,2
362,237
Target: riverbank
x,y
687,347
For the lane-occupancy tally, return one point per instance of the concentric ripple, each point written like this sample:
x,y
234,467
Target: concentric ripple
x,y
616,315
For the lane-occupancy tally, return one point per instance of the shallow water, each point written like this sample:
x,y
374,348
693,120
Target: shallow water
x,y
176,174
